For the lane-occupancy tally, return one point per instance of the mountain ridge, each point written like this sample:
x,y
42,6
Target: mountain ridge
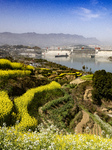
x,y
44,40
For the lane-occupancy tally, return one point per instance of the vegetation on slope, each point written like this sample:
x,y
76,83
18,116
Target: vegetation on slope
x,y
102,84
50,138
33,99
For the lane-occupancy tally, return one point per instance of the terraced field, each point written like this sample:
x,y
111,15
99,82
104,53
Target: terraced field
x,y
55,97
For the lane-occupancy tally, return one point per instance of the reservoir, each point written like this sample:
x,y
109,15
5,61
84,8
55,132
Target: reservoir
x,y
80,60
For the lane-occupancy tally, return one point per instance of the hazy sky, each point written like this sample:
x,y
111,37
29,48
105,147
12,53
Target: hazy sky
x,y
90,18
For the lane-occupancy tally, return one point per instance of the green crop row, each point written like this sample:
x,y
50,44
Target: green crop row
x,y
87,77
53,103
13,73
23,101
104,125
61,115
59,111
5,106
64,108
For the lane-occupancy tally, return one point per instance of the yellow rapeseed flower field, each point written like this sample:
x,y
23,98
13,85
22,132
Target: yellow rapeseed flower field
x,y
5,104
28,67
23,101
51,139
7,64
16,65
13,73
76,74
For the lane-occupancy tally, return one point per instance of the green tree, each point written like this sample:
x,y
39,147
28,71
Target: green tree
x,y
102,86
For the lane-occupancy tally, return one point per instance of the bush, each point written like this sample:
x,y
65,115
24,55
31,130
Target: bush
x,y
102,85
96,97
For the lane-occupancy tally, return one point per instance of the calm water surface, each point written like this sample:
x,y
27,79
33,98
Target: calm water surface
x,y
77,61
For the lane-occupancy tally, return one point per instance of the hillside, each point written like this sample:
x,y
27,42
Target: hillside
x,y
44,40
52,95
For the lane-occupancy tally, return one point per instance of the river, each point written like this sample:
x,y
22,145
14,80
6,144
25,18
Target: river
x,y
78,61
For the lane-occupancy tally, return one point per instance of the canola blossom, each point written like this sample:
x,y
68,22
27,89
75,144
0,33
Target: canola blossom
x,y
76,74
5,104
51,139
44,69
82,141
16,65
13,73
28,67
7,64
23,101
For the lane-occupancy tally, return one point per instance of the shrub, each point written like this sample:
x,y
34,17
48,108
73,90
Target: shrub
x,y
96,97
102,84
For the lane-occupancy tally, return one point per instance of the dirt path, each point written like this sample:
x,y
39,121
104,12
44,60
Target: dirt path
x,y
84,120
77,81
88,94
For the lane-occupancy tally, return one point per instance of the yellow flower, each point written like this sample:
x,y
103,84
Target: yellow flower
x,y
5,104
23,101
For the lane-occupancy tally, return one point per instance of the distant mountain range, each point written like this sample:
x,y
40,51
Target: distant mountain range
x,y
44,40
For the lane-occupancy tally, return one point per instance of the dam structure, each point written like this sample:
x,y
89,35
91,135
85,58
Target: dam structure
x,y
53,52
103,53
77,50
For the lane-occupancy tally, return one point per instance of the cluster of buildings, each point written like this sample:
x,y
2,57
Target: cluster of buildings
x,y
19,51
